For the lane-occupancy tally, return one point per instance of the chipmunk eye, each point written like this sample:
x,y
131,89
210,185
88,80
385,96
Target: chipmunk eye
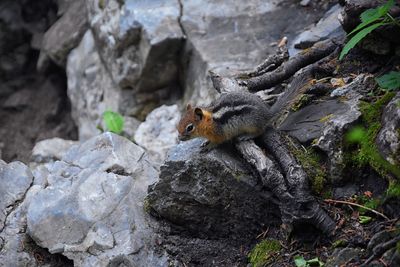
x,y
189,128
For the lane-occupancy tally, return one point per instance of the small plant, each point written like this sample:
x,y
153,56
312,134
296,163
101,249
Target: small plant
x,y
364,219
299,261
390,81
113,121
371,19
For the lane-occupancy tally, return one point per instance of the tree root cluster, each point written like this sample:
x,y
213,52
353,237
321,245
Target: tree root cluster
x,y
279,169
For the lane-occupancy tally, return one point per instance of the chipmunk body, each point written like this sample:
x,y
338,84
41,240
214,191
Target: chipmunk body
x,y
230,116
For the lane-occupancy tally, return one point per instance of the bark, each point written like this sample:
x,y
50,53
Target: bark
x,y
280,171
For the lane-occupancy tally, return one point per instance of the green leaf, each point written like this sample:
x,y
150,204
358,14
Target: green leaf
x,y
376,13
372,15
315,262
358,37
365,219
300,261
390,81
113,121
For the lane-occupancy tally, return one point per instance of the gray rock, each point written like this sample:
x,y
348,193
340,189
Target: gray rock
x,y
92,209
225,37
343,256
66,33
327,27
350,16
139,43
90,88
308,123
15,180
50,149
331,141
388,139
158,133
211,194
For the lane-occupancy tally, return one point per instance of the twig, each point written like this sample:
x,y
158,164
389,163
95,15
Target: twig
x,y
357,205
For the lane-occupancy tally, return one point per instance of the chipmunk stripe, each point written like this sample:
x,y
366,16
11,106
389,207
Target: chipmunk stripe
x,y
231,103
227,113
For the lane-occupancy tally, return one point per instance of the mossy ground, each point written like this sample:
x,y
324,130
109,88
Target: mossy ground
x,y
262,253
312,163
365,152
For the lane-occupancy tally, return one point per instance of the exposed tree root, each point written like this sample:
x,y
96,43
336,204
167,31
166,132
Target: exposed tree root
x,y
281,173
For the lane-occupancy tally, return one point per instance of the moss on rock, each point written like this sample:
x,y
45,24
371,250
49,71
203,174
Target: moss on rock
x,y
261,254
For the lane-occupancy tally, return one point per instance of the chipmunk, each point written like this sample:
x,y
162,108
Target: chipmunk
x,y
239,115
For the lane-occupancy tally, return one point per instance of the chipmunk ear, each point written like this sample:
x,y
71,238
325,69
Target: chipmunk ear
x,y
199,113
188,106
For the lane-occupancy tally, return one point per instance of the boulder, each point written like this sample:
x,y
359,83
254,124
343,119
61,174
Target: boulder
x,y
225,37
327,27
158,132
15,180
92,210
388,139
332,138
66,33
90,87
51,149
139,43
211,195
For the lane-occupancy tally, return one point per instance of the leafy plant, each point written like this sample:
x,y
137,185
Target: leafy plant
x,y
390,81
371,19
113,121
365,219
299,261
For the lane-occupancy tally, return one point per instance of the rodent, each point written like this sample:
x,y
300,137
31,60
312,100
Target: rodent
x,y
233,115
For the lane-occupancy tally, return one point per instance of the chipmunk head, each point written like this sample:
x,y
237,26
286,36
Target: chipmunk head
x,y
188,125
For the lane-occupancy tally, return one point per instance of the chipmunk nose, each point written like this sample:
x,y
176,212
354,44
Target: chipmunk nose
x,y
183,137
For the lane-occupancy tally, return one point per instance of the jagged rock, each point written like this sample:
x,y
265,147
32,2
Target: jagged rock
x,y
212,195
331,141
388,139
233,36
343,256
308,123
158,133
90,88
15,180
66,33
139,43
50,149
92,209
380,40
327,27
350,16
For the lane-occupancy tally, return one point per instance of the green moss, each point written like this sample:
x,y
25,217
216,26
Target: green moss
x,y
312,164
339,243
261,254
371,203
146,205
366,153
326,118
102,4
301,102
398,247
393,189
